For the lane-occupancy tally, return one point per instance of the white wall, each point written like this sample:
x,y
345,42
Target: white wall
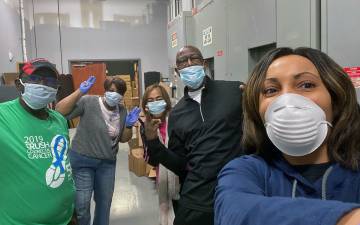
x,y
112,29
10,35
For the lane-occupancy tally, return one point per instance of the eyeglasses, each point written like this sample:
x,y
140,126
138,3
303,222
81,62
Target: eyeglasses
x,y
183,61
36,79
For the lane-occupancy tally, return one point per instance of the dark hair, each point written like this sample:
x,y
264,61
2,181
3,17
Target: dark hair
x,y
119,83
163,92
343,141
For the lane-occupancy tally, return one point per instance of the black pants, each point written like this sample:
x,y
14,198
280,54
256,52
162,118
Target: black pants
x,y
186,216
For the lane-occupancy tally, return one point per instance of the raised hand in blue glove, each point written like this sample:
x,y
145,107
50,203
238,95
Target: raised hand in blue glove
x,y
86,85
132,117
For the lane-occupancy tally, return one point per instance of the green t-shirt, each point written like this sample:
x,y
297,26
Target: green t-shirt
x,y
36,185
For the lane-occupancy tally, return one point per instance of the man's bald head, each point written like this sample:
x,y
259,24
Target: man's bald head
x,y
188,56
187,49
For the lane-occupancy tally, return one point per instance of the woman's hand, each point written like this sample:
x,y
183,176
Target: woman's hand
x,y
86,85
132,117
151,127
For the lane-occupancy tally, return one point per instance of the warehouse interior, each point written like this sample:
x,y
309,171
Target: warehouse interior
x,y
137,41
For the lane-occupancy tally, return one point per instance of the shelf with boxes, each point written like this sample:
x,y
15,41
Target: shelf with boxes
x,y
131,96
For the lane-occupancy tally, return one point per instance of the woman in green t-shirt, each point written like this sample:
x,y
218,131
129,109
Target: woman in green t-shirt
x,y
36,182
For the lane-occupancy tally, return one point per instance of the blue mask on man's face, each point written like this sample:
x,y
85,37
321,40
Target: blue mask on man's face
x,y
112,98
38,96
156,107
192,76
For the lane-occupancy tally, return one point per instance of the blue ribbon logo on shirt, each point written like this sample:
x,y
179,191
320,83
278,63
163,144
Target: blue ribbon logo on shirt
x,y
59,157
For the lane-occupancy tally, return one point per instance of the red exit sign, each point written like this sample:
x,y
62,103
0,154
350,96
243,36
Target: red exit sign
x,y
353,71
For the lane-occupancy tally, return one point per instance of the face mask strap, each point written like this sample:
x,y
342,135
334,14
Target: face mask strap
x,y
50,89
328,123
21,82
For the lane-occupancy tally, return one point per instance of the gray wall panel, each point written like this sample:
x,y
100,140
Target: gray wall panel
x,y
250,24
28,26
183,27
298,23
214,15
237,26
10,36
176,26
340,31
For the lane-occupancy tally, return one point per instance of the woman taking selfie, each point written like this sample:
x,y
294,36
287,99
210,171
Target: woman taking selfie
x,y
302,122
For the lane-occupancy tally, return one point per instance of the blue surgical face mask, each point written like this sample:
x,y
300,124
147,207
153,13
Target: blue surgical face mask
x,y
112,98
38,96
192,76
156,107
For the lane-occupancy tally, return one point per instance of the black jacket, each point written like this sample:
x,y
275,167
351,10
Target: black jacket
x,y
202,139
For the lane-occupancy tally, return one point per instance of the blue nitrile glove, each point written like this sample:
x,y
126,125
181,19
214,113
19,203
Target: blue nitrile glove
x,y
86,85
132,117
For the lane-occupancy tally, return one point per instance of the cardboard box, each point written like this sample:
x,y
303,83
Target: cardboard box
x,y
135,92
133,84
139,167
127,95
138,152
9,78
152,173
126,78
131,162
135,101
127,102
134,143
137,141
137,164
131,102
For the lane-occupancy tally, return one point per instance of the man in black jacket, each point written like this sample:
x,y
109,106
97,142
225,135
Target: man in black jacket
x,y
205,128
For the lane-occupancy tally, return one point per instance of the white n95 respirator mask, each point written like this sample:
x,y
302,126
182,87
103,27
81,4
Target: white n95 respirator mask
x,y
296,125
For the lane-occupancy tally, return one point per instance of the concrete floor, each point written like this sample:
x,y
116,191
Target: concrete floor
x,y
135,200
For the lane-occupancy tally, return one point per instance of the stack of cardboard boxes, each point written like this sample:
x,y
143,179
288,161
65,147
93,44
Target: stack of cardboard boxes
x,y
131,96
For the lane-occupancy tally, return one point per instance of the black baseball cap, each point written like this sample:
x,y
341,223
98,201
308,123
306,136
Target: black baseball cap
x,y
39,67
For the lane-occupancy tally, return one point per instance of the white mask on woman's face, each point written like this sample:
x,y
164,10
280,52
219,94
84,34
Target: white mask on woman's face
x,y
296,125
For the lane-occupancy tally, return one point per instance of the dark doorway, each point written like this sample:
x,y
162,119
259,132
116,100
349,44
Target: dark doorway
x,y
151,77
255,54
210,70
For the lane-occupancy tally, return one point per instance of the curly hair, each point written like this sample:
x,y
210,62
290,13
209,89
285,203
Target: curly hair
x,y
119,83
